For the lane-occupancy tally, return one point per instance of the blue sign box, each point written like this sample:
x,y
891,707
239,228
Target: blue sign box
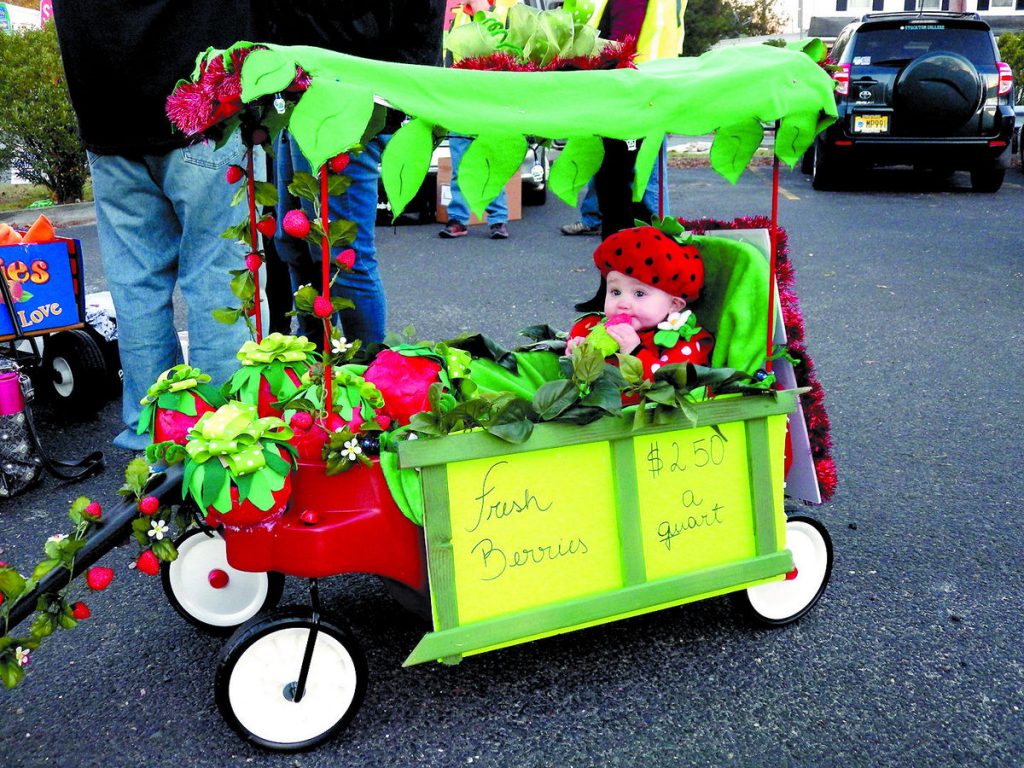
x,y
46,284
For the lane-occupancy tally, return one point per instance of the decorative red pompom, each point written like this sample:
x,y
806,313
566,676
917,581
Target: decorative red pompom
x,y
149,505
148,563
322,307
383,420
340,162
98,578
253,262
296,223
346,259
80,610
267,226
93,511
301,421
234,174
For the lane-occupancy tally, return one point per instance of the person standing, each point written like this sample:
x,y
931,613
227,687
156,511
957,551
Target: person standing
x,y
161,202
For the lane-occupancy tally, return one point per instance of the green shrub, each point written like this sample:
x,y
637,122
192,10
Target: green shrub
x,y
38,131
1011,50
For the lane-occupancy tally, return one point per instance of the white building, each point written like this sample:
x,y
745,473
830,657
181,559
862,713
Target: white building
x,y
15,17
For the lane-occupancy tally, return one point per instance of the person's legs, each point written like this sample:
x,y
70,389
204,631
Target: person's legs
x,y
590,212
139,236
458,209
193,180
651,193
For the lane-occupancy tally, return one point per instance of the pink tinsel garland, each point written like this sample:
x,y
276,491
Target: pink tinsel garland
x,y
818,427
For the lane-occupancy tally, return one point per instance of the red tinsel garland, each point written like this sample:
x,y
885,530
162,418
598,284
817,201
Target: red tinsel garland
x,y
818,427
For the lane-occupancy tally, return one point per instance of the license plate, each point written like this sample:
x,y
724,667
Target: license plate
x,y
870,123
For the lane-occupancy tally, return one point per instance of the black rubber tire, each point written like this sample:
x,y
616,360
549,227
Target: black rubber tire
x,y
937,92
191,607
817,583
824,171
987,179
261,687
74,374
112,360
807,161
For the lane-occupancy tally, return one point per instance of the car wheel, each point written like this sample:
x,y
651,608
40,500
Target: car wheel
x,y
824,174
987,179
256,680
938,91
75,374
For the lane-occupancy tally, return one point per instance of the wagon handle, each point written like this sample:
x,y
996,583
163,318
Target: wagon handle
x,y
773,235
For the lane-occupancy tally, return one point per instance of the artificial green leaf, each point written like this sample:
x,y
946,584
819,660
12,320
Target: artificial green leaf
x,y
266,72
405,162
338,184
606,395
512,423
227,315
554,397
214,481
587,364
243,286
342,231
575,167
11,673
42,625
631,367
425,423
44,568
488,164
240,194
645,160
305,186
259,492
378,120
165,550
733,146
12,583
266,193
330,118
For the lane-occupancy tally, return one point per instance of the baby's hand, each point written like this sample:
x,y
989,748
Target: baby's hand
x,y
626,336
572,343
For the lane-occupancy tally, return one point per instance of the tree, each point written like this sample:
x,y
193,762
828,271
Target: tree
x,y
708,21
37,124
1011,50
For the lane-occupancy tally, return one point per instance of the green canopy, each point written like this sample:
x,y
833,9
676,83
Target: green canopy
x,y
730,92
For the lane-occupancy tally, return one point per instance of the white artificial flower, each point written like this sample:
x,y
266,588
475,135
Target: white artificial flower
x,y
157,529
21,655
340,345
351,450
675,321
58,537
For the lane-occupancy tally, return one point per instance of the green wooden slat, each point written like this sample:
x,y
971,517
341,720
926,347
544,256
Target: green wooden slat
x,y
608,606
762,493
437,528
480,445
627,505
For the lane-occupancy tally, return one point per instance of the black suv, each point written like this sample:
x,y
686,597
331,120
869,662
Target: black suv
x,y
925,89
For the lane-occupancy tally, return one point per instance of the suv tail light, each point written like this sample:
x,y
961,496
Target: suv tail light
x,y
842,78
1005,78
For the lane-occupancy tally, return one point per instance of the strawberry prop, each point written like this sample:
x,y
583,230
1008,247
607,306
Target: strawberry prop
x,y
174,404
403,381
148,563
271,371
236,466
98,578
296,224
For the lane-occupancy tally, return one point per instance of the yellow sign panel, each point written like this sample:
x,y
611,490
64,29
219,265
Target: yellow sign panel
x,y
532,529
695,504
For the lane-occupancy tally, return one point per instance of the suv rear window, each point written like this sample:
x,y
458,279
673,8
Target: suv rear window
x,y
895,46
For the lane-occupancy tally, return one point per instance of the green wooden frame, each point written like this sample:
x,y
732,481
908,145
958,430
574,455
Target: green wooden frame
x,y
451,641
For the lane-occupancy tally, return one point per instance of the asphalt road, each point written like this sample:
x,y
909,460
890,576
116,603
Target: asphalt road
x,y
911,292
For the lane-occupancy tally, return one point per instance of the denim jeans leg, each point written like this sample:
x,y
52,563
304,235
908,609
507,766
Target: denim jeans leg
x,y
139,236
652,190
590,213
193,179
458,209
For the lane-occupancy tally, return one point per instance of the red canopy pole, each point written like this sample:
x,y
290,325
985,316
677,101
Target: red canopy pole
x,y
325,263
252,238
773,234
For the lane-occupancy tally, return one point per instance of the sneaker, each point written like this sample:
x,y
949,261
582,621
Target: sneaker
x,y
579,228
499,232
453,229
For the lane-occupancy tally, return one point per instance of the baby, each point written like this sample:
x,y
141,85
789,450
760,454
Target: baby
x,y
649,279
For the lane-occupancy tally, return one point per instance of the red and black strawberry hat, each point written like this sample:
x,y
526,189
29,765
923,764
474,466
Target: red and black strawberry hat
x,y
649,255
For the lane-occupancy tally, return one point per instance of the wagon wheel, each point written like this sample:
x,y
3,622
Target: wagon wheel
x,y
208,592
261,670
781,602
74,373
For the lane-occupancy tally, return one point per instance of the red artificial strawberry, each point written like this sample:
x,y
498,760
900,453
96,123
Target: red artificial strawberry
x,y
383,420
148,563
267,226
234,174
340,162
98,578
309,444
296,224
93,511
346,259
174,425
322,307
404,382
253,262
244,514
149,505
266,397
80,610
335,423
301,421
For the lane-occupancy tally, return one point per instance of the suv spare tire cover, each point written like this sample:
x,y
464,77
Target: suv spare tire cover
x,y
939,90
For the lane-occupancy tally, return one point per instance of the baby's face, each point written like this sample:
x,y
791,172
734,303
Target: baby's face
x,y
645,305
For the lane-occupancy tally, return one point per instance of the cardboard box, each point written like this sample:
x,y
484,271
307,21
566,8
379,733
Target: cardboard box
x,y
513,191
45,282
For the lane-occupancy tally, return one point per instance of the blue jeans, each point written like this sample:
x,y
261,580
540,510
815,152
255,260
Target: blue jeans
x,y
458,209
590,213
363,286
159,220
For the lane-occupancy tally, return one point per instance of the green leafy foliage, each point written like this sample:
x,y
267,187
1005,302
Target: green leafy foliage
x,y
708,21
37,123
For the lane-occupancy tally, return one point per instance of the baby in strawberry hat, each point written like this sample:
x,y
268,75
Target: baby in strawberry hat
x,y
649,279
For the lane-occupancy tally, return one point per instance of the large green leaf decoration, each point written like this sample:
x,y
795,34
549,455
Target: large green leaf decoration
x,y
487,166
264,72
405,162
330,118
645,160
575,166
734,146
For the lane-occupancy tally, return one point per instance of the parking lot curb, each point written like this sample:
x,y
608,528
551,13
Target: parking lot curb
x,y
71,215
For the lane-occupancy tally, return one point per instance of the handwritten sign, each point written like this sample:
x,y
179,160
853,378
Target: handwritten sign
x,y
533,529
695,503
